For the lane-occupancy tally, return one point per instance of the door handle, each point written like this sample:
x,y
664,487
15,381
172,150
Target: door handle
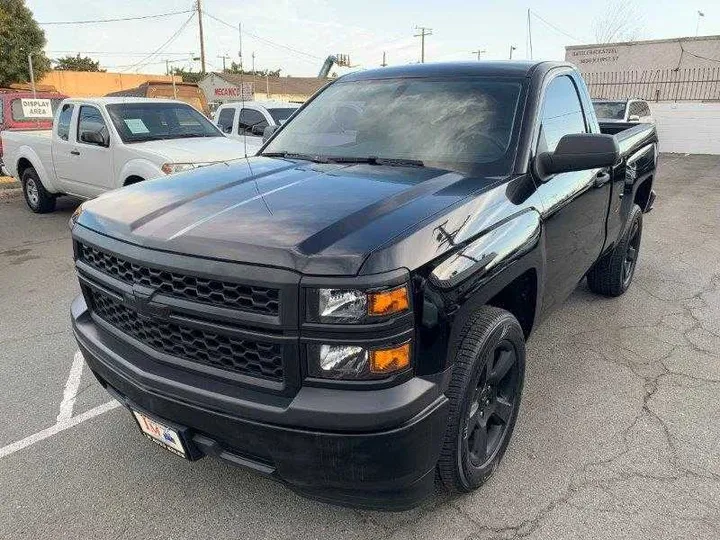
x,y
602,178
75,152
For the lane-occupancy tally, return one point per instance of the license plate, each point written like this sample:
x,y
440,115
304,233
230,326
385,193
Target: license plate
x,y
160,434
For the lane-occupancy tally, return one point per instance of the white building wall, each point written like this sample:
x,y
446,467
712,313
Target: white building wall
x,y
688,127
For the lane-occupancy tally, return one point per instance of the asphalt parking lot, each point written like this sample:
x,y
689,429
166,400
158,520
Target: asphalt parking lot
x,y
618,434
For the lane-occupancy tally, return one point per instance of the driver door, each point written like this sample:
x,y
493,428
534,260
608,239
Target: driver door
x,y
93,169
575,203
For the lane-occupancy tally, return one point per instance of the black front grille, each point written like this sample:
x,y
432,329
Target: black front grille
x,y
252,358
208,291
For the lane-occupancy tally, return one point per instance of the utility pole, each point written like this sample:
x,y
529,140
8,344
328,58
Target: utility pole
x,y
529,35
479,52
512,48
32,75
384,63
240,44
253,62
424,31
202,37
697,26
224,57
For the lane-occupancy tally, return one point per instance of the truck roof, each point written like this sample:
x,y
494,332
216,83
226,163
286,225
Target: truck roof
x,y
502,68
120,99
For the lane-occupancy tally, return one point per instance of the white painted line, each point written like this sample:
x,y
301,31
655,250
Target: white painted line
x,y
71,388
57,428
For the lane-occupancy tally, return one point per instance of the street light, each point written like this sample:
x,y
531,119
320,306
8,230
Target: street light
x,y
512,48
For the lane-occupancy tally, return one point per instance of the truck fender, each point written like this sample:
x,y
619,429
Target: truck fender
x,y
510,254
491,252
27,153
140,167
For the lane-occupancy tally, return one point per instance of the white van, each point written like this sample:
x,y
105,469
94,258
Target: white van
x,y
247,120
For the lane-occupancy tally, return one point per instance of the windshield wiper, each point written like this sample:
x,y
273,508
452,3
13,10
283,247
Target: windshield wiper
x,y
304,157
373,160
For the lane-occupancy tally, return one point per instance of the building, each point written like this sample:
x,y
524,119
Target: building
x,y
680,78
97,83
680,69
225,87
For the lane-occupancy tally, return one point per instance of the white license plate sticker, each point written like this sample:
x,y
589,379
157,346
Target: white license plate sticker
x,y
160,434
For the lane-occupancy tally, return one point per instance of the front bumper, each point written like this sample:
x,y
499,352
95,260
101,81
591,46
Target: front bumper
x,y
323,443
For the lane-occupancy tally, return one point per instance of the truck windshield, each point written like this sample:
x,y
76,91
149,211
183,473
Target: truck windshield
x,y
458,124
140,122
609,110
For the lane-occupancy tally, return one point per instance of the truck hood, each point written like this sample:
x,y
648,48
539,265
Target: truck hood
x,y
322,219
194,150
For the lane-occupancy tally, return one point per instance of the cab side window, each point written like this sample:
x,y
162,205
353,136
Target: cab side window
x,y
63,129
91,127
251,122
562,114
225,119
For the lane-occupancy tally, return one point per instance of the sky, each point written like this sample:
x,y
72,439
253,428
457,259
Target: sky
x,y
296,36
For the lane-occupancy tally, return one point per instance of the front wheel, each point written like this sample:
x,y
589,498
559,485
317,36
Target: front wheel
x,y
484,395
36,196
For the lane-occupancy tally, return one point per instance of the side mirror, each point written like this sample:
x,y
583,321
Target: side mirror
x,y
633,118
227,129
578,152
94,137
258,130
268,131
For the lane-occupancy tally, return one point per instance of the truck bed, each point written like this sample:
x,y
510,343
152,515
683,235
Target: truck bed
x,y
39,141
630,135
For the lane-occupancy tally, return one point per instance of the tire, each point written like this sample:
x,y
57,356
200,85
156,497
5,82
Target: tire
x,y
484,395
613,273
36,196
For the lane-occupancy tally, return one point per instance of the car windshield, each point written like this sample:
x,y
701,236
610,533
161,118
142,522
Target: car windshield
x,y
457,124
21,113
609,110
281,114
139,122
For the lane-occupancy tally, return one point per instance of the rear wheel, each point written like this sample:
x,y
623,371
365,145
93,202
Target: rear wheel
x,y
36,196
484,394
612,274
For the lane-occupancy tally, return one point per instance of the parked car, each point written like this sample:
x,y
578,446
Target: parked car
x,y
246,121
349,316
186,92
17,111
628,110
101,144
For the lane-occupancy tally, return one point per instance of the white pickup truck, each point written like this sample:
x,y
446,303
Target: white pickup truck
x,y
100,144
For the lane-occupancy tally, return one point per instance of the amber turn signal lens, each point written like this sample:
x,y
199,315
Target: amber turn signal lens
x,y
389,360
388,302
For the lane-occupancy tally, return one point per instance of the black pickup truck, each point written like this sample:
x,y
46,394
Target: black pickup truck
x,y
347,311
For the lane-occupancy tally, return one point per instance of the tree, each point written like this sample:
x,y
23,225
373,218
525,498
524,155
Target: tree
x,y
188,76
235,68
620,22
77,63
20,35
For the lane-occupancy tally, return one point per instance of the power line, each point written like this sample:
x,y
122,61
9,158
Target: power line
x,y
98,21
167,42
267,41
557,29
112,53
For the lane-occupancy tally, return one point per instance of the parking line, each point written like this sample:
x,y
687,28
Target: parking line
x,y
71,387
57,428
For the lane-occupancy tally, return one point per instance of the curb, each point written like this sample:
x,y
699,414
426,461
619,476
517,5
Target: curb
x,y
8,182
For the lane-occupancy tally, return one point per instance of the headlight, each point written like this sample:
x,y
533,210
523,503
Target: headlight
x,y
172,168
352,362
354,306
75,216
